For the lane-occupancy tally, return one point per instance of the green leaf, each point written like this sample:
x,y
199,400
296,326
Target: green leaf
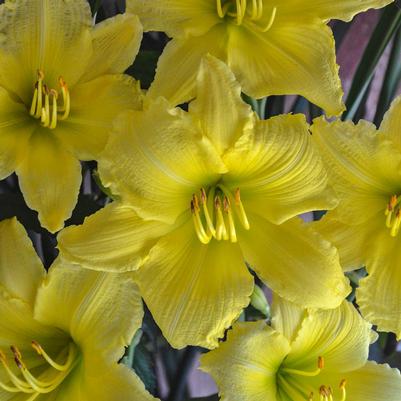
x,y
388,24
145,368
392,78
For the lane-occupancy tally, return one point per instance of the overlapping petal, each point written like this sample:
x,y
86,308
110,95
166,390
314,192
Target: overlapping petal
x,y
341,336
15,129
289,59
391,124
240,367
295,261
223,114
278,170
327,9
175,17
113,239
49,178
363,167
163,159
21,270
115,43
176,81
100,311
379,294
194,291
96,104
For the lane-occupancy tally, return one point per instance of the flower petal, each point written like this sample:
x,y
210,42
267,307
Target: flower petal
x,y
194,291
50,35
246,365
341,336
176,81
115,44
278,170
175,17
391,124
327,9
21,271
49,178
287,317
94,107
222,112
288,59
15,128
113,239
379,294
294,261
101,311
157,159
350,240
374,382
363,167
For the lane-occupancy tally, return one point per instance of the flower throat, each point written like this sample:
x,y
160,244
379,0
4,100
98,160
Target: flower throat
x,y
45,102
27,383
214,214
250,13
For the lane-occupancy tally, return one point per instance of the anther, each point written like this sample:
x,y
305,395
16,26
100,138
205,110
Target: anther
x,y
221,231
231,225
241,211
199,229
209,222
66,99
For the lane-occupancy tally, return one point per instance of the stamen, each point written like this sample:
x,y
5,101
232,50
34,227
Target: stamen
x,y
241,211
66,99
320,366
219,9
231,225
38,111
343,390
199,229
210,227
255,9
271,21
34,101
53,121
221,230
18,383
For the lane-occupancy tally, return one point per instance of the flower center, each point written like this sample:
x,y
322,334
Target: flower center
x,y
393,215
29,384
251,13
213,215
326,393
45,102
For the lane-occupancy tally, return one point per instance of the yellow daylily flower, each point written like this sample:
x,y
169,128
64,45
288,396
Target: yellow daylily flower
x,y
304,355
364,169
200,192
63,333
274,47
61,85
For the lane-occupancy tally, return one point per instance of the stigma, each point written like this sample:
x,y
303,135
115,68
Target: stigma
x,y
247,12
215,214
46,103
393,215
26,382
326,393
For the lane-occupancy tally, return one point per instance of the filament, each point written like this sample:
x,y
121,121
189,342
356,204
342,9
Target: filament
x,y
45,106
316,372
